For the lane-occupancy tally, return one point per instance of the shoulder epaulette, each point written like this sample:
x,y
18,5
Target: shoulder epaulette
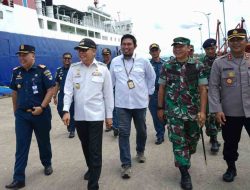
x,y
16,68
74,64
58,68
42,66
101,63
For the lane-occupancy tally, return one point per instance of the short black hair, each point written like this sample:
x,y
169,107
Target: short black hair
x,y
130,36
67,53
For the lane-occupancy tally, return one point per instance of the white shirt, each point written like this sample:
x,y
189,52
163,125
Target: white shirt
x,y
143,76
92,90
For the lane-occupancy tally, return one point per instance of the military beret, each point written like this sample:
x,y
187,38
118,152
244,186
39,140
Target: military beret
x,y
106,51
26,49
238,32
86,43
154,46
209,43
181,41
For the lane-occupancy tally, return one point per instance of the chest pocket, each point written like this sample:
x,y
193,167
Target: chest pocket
x,y
229,78
138,72
173,75
191,74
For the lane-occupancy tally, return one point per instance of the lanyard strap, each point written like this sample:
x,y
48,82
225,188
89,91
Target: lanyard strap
x,y
128,73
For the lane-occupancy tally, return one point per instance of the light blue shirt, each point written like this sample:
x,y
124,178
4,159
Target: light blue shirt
x,y
142,74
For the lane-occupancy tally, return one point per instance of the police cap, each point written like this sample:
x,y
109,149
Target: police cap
x,y
209,43
26,49
86,43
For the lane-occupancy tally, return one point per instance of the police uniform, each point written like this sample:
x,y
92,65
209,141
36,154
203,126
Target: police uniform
x,y
229,88
31,87
153,102
212,126
60,78
92,89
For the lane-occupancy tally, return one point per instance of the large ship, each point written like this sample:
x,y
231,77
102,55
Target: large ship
x,y
53,30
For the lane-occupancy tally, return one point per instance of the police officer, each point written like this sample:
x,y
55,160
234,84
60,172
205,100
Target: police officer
x,y
229,96
212,127
90,83
32,87
183,90
60,78
106,54
156,61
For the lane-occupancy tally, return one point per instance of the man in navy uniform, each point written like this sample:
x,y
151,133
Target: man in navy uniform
x,y
212,127
32,87
156,61
229,97
60,78
106,54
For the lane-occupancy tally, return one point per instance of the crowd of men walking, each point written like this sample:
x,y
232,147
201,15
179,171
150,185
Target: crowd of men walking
x,y
183,94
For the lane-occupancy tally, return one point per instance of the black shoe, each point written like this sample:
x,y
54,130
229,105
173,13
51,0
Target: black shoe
x,y
186,182
68,129
215,147
71,134
86,175
16,185
48,170
116,132
108,129
229,175
212,138
159,141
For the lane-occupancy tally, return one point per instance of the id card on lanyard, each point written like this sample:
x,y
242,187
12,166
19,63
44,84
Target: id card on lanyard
x,y
130,82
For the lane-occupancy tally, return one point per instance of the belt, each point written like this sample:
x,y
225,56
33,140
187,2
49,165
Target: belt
x,y
29,110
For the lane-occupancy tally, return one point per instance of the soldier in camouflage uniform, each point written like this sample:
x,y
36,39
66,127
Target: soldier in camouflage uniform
x,y
212,127
183,89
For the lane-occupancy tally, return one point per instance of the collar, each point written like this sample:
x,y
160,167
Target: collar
x,y
133,56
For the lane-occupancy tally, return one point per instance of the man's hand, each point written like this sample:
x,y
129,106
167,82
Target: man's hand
x,y
66,118
220,117
55,100
160,114
108,122
201,118
37,110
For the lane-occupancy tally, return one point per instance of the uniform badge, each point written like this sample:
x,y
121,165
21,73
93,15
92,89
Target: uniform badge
x,y
235,32
231,74
60,78
19,86
77,85
97,73
22,47
229,81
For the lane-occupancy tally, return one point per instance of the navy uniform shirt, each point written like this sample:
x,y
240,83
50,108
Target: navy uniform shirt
x,y
157,67
31,85
60,78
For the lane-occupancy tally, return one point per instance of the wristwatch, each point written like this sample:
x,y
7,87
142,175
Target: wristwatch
x,y
43,108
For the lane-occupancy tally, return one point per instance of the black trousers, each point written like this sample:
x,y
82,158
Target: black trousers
x,y
90,135
231,133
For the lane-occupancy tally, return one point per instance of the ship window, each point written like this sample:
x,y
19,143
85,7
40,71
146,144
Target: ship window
x,y
67,29
110,38
98,35
51,25
41,24
104,37
81,32
1,14
91,34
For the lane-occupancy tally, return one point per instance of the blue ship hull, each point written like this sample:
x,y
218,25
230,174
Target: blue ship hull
x,y
48,52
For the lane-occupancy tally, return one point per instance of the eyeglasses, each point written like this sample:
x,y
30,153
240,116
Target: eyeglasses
x,y
83,50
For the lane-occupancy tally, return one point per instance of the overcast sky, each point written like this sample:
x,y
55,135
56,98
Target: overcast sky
x,y
160,21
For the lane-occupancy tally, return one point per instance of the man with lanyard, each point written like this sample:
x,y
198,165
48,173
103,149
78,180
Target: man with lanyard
x,y
60,78
156,62
133,78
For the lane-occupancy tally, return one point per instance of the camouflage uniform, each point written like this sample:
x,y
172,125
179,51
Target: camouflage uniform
x,y
182,101
212,126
